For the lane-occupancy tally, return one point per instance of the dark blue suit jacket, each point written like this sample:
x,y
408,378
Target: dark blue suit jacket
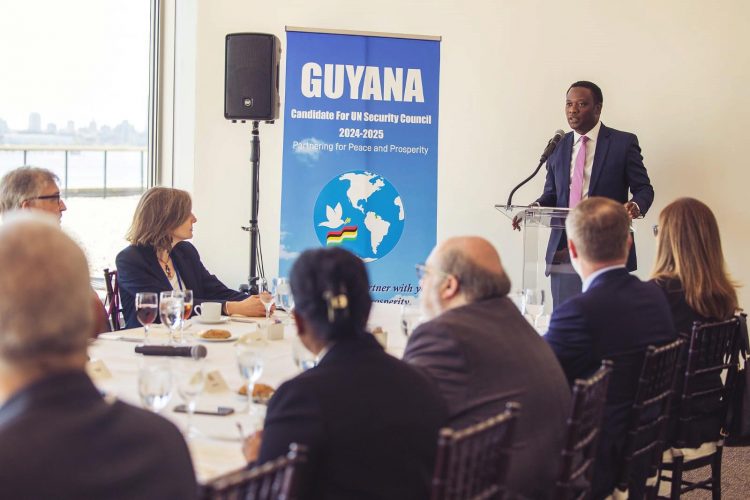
x,y
60,439
138,270
369,420
618,166
617,318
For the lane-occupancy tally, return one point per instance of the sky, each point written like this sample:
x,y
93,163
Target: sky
x,y
79,60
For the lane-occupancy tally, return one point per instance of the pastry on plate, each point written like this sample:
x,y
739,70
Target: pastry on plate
x,y
215,334
261,392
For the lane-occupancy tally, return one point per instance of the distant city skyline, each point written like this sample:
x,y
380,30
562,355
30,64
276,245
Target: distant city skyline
x,y
36,131
79,61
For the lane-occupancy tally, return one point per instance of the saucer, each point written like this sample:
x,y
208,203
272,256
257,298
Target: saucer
x,y
223,319
231,338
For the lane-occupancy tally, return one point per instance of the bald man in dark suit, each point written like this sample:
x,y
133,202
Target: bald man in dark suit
x,y
482,353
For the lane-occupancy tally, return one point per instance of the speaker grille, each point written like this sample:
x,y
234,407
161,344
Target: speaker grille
x,y
251,86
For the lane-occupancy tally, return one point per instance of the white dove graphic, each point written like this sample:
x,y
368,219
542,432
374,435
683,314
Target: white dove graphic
x,y
334,217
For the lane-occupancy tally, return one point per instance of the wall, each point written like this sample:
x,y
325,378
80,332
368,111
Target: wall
x,y
675,72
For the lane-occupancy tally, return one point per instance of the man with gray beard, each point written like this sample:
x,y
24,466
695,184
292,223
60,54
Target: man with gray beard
x,y
482,353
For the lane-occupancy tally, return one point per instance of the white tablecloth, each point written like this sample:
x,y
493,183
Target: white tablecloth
x,y
218,450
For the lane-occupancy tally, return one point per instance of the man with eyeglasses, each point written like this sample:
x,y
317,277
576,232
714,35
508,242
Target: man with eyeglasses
x,y
482,353
34,188
31,187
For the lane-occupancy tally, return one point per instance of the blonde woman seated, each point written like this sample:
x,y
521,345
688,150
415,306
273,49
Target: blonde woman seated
x,y
159,259
691,271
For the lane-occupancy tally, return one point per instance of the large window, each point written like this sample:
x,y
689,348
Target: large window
x,y
75,100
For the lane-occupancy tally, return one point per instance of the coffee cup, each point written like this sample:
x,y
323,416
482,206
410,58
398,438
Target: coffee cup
x,y
209,311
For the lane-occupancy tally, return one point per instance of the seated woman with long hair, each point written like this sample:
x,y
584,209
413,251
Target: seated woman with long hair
x,y
369,421
159,259
690,268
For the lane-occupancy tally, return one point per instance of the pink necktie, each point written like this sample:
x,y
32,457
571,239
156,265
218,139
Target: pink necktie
x,y
576,184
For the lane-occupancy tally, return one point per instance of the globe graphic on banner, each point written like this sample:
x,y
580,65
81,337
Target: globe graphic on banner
x,y
361,212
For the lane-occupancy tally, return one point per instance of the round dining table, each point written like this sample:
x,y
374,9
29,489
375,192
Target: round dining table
x,y
216,447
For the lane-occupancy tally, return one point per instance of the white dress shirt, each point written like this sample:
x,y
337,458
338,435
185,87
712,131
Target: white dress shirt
x,y
593,135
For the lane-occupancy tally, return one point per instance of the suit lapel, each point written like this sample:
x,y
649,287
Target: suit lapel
x,y
567,154
149,256
184,266
600,155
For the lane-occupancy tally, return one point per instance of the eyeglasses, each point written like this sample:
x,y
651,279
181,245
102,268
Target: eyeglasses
x,y
423,269
655,229
55,197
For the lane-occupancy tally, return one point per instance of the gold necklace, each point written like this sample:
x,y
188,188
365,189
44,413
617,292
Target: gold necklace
x,y
165,263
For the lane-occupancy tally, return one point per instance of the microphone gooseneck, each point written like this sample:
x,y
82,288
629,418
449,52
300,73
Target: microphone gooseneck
x,y
551,145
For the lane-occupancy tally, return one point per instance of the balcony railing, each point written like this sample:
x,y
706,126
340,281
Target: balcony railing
x,y
102,188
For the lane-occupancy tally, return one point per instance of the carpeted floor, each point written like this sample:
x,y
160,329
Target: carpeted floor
x,y
735,476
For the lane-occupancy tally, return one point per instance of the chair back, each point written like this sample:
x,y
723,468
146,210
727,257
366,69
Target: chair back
x,y
112,301
582,435
274,480
473,463
714,347
650,413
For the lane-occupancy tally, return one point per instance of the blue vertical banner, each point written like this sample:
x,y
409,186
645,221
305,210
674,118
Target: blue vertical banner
x,y
360,153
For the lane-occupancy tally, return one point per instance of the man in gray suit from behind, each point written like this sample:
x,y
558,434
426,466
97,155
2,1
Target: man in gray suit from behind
x,y
481,352
59,438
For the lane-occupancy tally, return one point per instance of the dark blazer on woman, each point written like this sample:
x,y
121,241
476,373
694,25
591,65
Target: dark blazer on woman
x,y
138,270
707,425
369,420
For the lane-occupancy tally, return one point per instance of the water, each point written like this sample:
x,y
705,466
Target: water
x,y
171,316
250,366
190,389
156,402
85,168
306,364
155,387
534,309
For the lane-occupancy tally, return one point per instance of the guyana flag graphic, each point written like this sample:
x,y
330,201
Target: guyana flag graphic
x,y
338,237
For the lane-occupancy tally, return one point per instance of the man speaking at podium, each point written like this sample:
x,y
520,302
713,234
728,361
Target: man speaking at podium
x,y
593,160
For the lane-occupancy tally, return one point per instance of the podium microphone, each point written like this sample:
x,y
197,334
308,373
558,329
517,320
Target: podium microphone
x,y
195,351
551,145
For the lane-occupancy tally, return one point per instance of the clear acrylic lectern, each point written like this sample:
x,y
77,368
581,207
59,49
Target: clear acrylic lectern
x,y
537,224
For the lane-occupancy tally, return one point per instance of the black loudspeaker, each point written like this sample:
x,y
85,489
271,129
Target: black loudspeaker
x,y
251,77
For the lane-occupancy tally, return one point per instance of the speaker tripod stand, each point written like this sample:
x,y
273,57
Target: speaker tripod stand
x,y
256,254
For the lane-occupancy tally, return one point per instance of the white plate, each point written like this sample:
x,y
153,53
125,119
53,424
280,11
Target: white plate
x,y
232,338
223,319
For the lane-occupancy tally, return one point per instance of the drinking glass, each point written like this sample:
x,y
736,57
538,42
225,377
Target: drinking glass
x,y
411,317
155,385
146,307
266,293
190,380
284,296
250,364
171,309
303,358
533,303
187,299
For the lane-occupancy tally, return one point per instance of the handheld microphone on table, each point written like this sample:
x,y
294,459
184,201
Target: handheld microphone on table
x,y
551,145
195,351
